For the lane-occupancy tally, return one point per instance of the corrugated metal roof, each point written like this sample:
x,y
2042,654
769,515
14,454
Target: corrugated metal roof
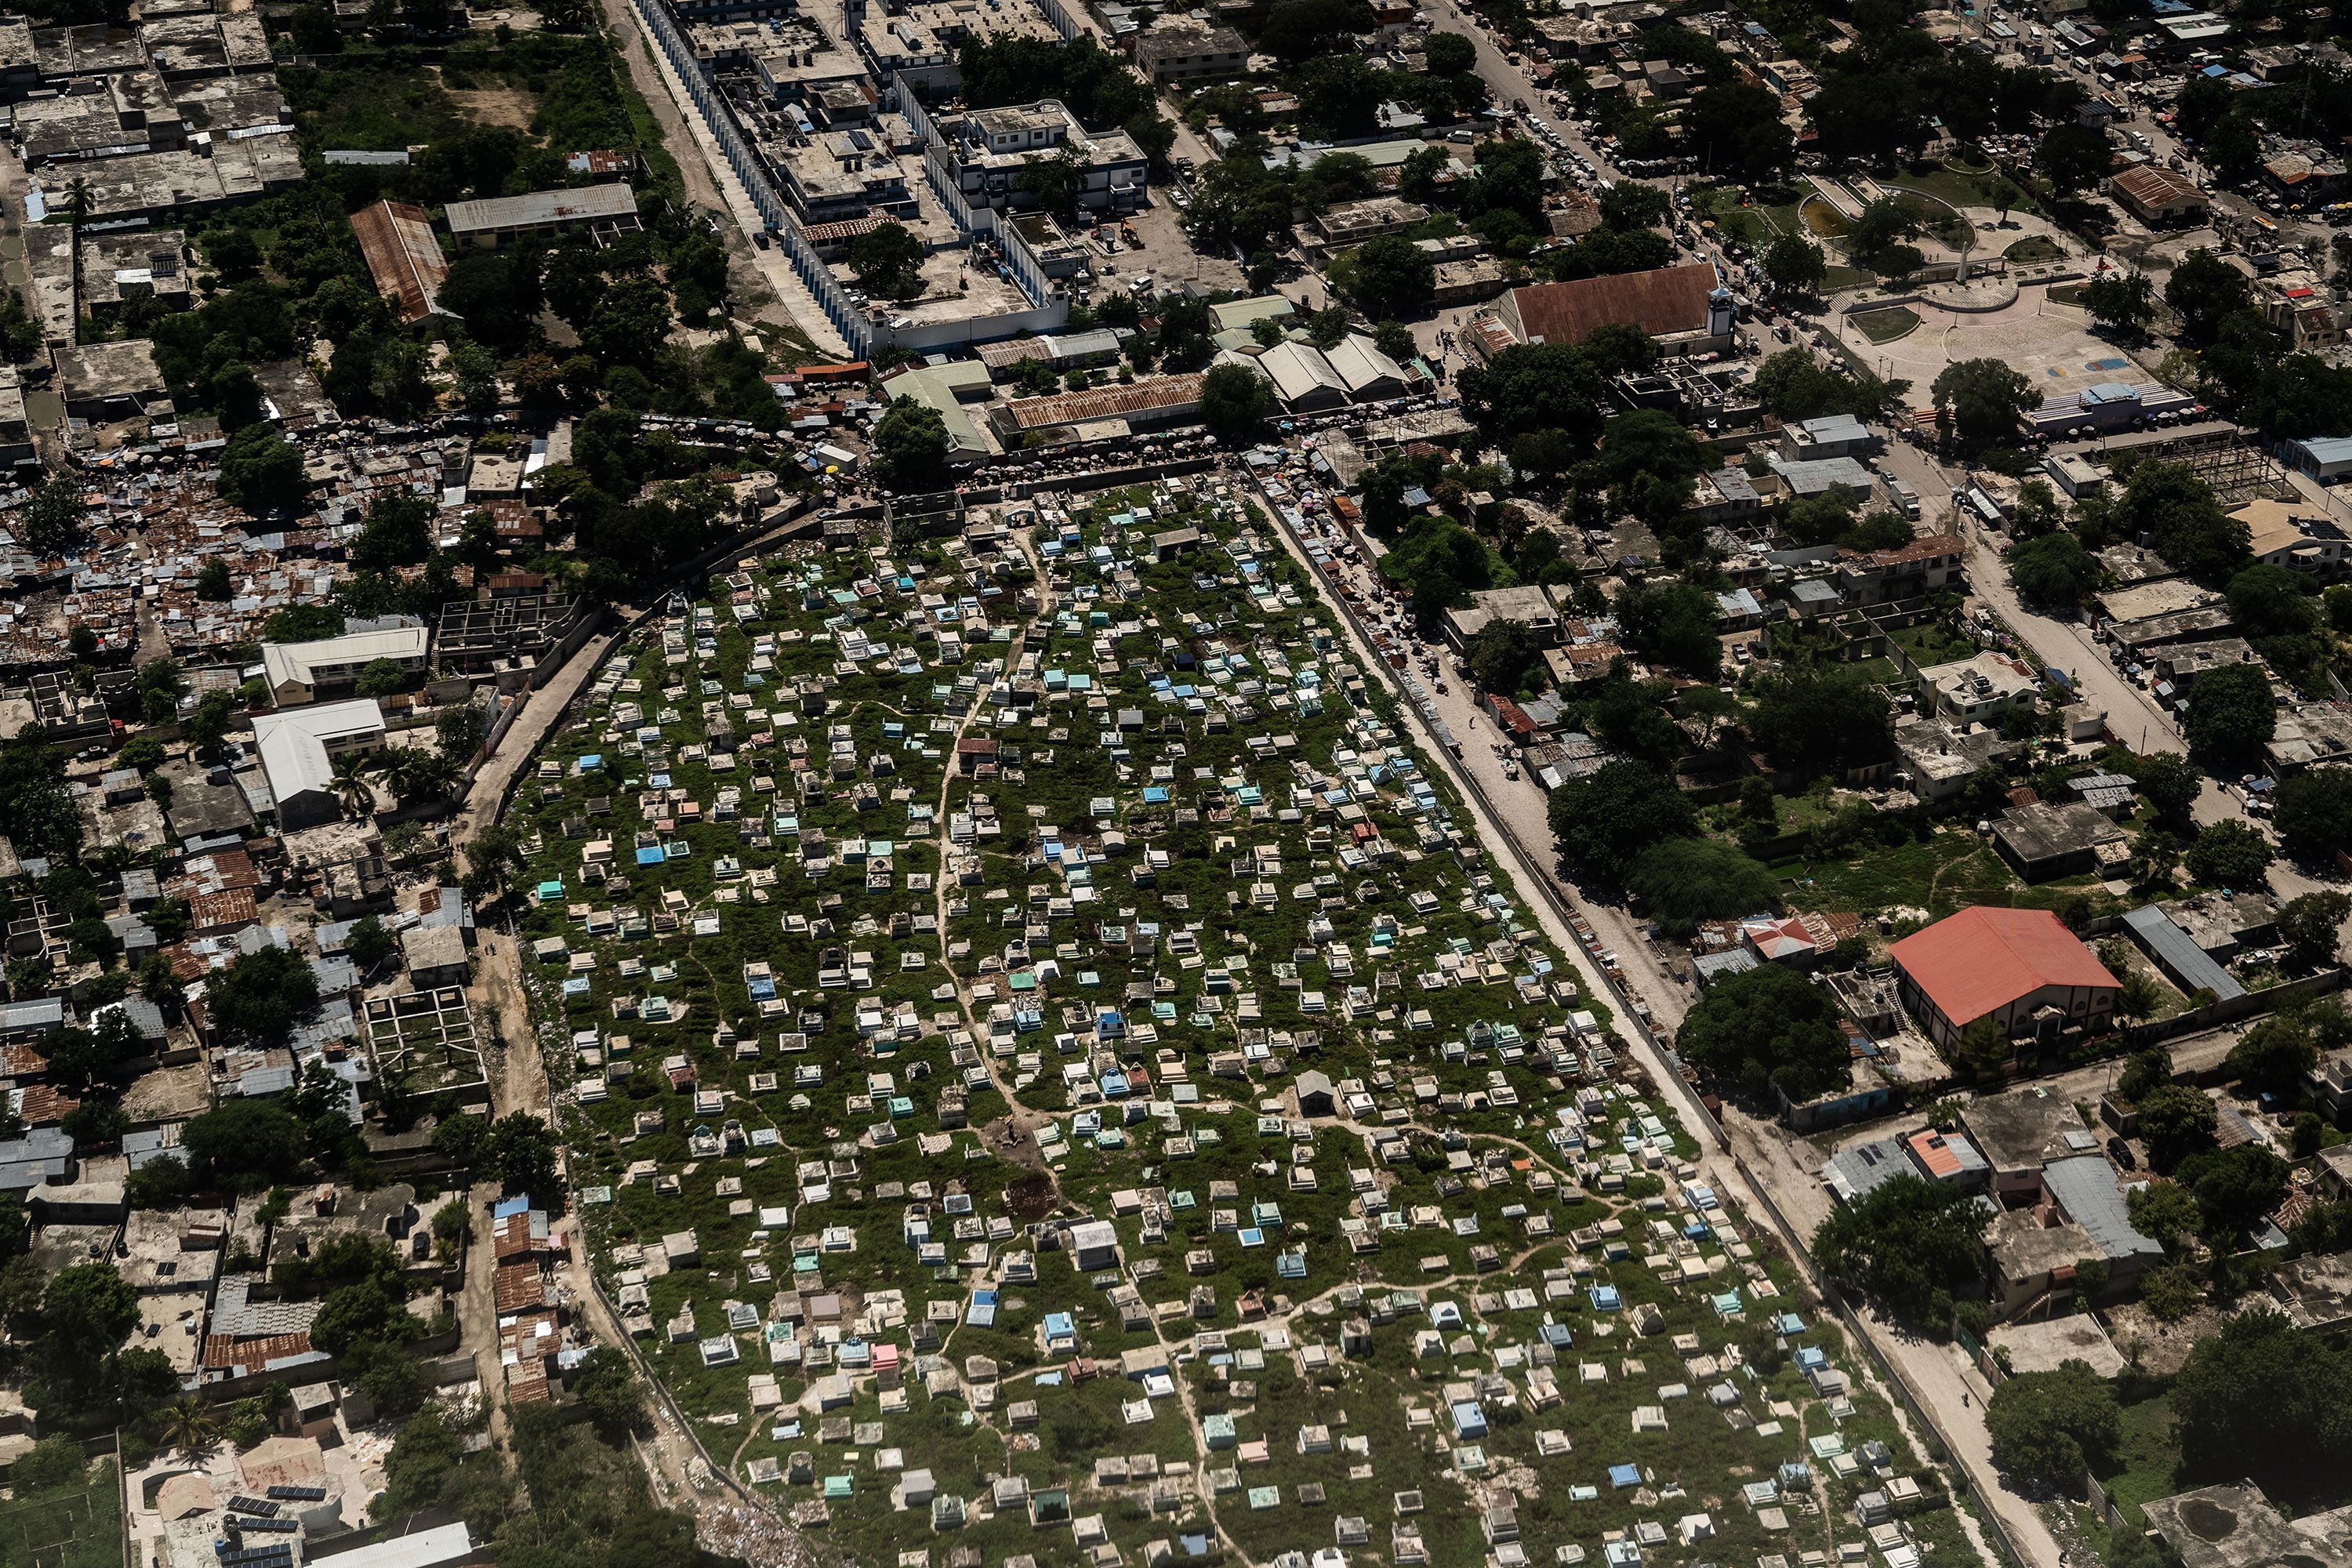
x,y
2181,957
2085,1187
584,205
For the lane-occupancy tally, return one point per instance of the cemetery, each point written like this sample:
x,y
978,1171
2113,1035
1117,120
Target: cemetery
x,y
1052,1075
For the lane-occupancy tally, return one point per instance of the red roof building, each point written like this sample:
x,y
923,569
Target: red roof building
x,y
2005,964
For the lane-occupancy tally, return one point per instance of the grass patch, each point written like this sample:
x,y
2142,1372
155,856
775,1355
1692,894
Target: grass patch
x,y
2034,247
2148,1460
1932,642
1887,325
1957,189
1821,220
68,1526
2067,294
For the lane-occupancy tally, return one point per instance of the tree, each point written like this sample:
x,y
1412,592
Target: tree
x,y
2049,1427
2232,714
88,1310
2229,854
353,781
2054,570
2183,520
1535,386
302,623
214,584
2313,926
1735,128
56,520
2203,291
37,806
2171,783
260,998
1983,400
519,1152
383,678
888,261
2176,1121
2122,301
1439,562
1234,401
1886,221
369,944
609,1389
1767,1029
2074,157
1795,264
1389,277
375,1308
1684,881
1341,94
1673,623
910,446
1502,654
261,471
1298,30
1913,1243
2261,1401
2235,1188
1604,820
1651,461
1825,720
2272,1057
244,1145
2164,1211
2313,815
1449,54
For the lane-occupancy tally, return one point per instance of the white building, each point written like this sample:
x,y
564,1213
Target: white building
x,y
301,671
299,747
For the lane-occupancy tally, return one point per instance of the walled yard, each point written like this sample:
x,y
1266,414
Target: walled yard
x,y
1048,1069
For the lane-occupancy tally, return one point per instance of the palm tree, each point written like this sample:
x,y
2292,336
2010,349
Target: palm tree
x,y
353,783
190,1426
422,773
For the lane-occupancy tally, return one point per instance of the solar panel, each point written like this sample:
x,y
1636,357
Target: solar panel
x,y
243,1504
299,1494
269,1526
256,1556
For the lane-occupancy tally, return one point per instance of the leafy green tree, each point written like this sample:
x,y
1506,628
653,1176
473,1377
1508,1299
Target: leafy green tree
x,y
2169,781
1604,820
2049,1427
244,1145
37,806
1685,881
1439,562
261,471
2074,157
1795,265
1736,129
371,1308
1503,655
2313,926
2176,1121
2261,1401
2235,1187
910,446
1298,30
2229,854
609,1389
1388,278
2314,815
1530,387
1673,623
2164,1211
369,944
2232,715
1825,720
2203,291
888,261
519,1152
1766,1029
1235,400
2055,570
2124,301
56,520
1915,1243
2272,1056
1983,400
262,996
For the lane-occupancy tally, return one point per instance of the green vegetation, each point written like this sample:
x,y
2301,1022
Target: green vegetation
x,y
1883,326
